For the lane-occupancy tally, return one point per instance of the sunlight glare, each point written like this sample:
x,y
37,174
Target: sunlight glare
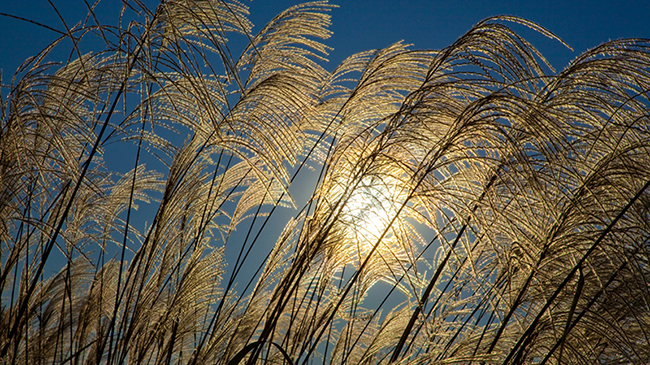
x,y
370,209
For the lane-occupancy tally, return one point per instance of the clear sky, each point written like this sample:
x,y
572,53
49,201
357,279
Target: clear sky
x,y
366,24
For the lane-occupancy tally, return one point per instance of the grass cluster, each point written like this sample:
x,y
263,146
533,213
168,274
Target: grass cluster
x,y
470,204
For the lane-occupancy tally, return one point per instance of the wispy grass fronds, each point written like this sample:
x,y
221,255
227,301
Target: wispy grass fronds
x,y
464,205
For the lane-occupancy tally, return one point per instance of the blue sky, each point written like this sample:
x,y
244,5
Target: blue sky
x,y
367,24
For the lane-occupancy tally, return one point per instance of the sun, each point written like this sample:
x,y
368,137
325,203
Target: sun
x,y
364,209
370,208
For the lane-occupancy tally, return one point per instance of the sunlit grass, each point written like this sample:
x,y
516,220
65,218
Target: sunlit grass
x,y
464,205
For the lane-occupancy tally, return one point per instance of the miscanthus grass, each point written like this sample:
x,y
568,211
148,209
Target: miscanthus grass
x,y
470,204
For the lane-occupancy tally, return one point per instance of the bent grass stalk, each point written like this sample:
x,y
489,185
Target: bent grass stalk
x,y
395,145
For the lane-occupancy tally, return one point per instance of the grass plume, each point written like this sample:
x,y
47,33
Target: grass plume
x,y
497,208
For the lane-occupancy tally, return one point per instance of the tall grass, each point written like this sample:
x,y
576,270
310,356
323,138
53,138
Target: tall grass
x,y
471,205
